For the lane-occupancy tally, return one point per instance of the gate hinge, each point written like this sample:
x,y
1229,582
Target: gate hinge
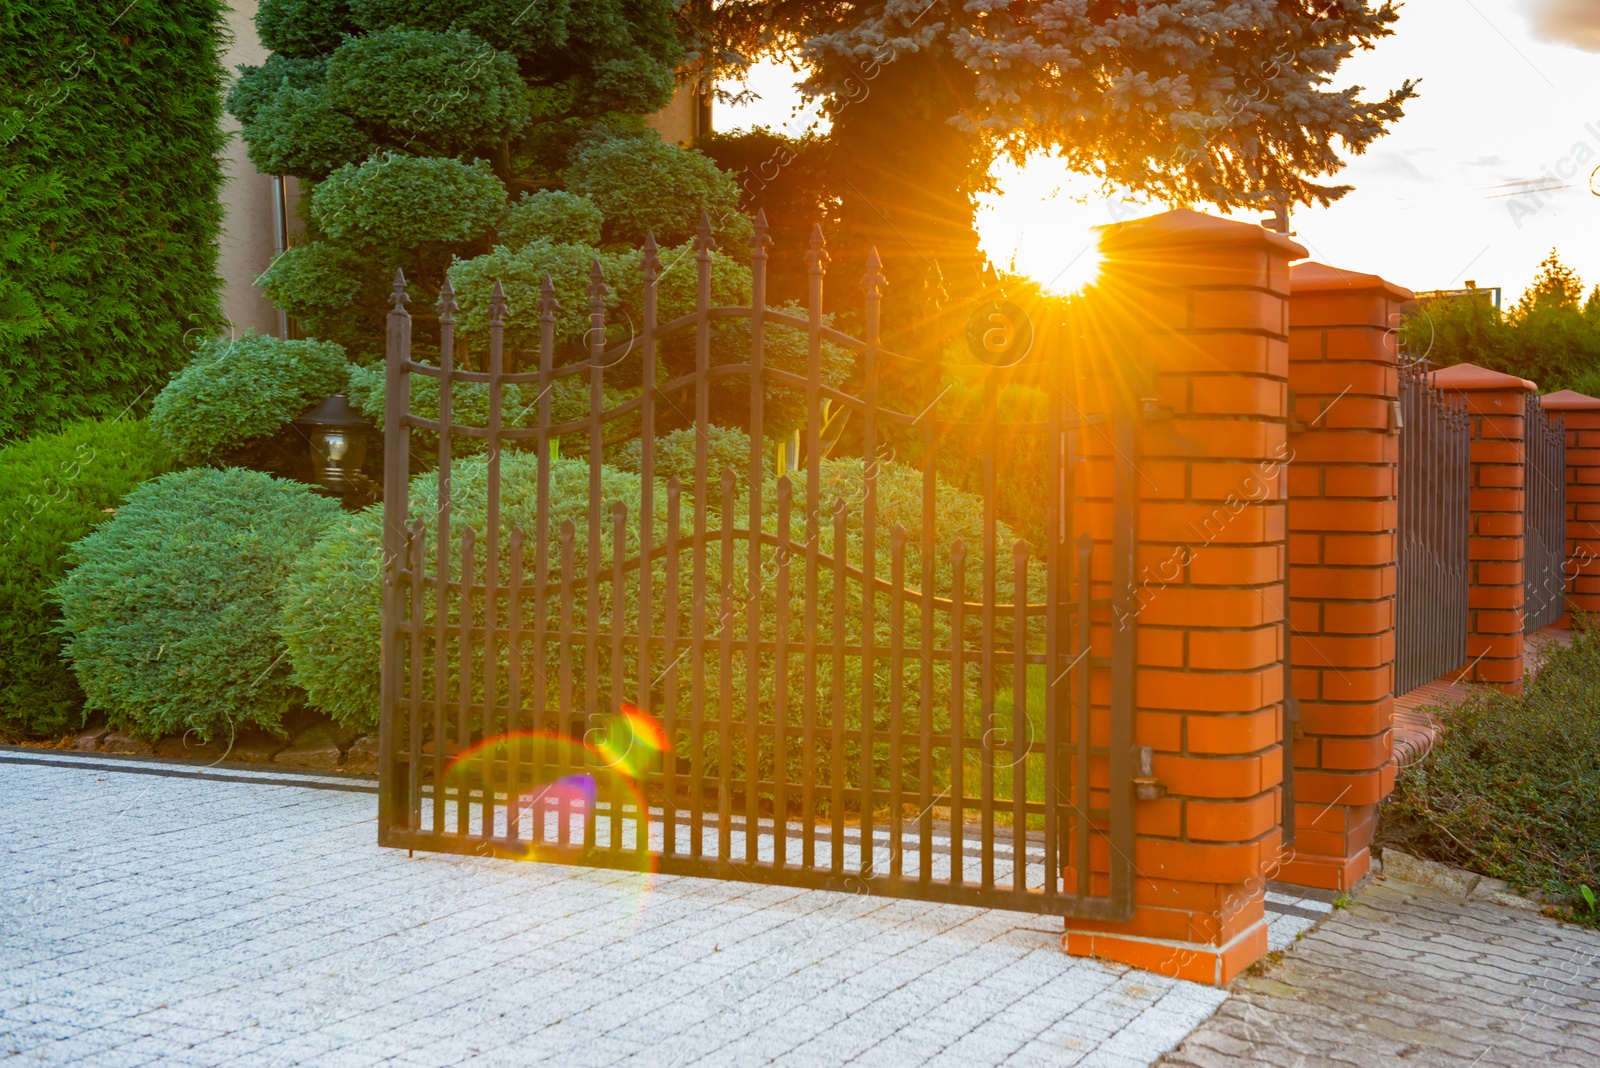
x,y
1146,787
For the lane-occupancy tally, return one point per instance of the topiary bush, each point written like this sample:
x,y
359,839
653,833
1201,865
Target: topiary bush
x,y
54,489
171,611
552,215
237,390
1511,787
642,184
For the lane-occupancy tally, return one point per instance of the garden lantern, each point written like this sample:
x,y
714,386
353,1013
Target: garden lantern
x,y
338,438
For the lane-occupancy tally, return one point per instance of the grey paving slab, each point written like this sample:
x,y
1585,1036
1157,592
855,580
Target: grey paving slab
x,y
1411,975
251,919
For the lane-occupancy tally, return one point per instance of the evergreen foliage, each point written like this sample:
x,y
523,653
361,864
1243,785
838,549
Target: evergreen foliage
x,y
55,487
109,211
235,391
171,611
552,215
1550,337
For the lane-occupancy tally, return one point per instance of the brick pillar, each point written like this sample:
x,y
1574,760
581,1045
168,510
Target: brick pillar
x,y
1496,552
1344,386
1582,416
1198,307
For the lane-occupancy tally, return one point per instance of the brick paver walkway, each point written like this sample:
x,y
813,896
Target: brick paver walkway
x,y
1409,975
204,921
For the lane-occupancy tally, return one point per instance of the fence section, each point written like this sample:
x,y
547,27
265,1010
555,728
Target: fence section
x,y
1435,521
645,649
1544,566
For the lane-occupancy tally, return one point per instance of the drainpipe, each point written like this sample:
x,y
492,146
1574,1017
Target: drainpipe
x,y
280,236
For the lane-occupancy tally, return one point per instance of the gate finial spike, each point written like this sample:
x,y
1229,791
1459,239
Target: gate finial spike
x,y
704,241
497,304
873,281
547,296
597,282
447,302
817,259
760,238
399,298
650,261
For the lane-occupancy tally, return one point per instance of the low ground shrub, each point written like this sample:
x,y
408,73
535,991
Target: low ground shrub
x,y
236,390
1511,789
54,489
171,610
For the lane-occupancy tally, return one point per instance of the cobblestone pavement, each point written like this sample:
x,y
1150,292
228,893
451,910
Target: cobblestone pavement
x,y
234,918
1412,975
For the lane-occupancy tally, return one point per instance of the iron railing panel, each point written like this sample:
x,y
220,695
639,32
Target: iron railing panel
x,y
1545,529
776,707
1434,524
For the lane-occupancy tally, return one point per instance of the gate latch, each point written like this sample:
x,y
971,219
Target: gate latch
x,y
1146,787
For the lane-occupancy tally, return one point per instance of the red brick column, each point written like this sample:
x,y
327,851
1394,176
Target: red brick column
x,y
1582,417
1199,306
1344,386
1496,552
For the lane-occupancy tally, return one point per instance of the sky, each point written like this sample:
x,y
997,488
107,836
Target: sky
x,y
1489,169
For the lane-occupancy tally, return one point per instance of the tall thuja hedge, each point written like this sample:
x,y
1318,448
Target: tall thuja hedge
x,y
109,143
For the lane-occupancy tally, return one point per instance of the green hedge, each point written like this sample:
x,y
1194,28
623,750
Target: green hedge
x,y
108,201
54,489
171,612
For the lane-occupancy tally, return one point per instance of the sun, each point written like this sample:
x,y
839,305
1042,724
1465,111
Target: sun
x,y
1043,222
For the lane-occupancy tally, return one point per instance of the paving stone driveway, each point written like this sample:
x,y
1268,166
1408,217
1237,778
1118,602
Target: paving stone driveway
x,y
1415,976
200,921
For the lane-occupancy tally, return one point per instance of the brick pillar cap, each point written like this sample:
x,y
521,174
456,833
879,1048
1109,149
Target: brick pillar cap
x,y
1470,378
1313,277
1566,400
1185,227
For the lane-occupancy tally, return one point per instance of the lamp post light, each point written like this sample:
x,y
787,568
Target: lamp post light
x,y
338,437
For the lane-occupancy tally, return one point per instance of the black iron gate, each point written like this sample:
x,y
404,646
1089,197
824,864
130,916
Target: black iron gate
x,y
1434,524
1545,540
703,666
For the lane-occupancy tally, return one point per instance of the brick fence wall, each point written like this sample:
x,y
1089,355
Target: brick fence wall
x,y
1267,453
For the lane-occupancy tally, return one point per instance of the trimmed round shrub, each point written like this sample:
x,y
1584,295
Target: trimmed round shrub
x,y
436,92
552,215
171,612
54,489
402,201
255,86
642,184
303,27
295,131
236,390
336,294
